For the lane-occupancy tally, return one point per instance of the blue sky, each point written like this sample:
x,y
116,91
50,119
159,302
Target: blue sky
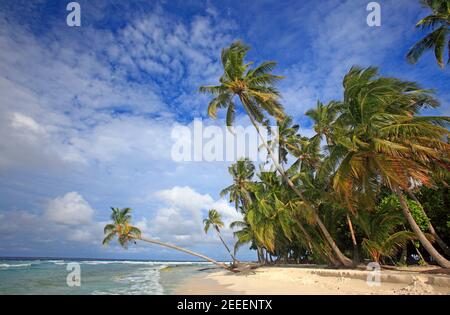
x,y
86,112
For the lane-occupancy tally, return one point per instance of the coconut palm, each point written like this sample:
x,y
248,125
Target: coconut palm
x,y
240,191
215,220
323,117
256,91
125,233
244,236
383,236
286,140
379,139
438,22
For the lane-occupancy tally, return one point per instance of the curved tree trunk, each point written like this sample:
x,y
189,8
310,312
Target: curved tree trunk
x,y
185,251
342,258
440,242
226,246
326,256
420,235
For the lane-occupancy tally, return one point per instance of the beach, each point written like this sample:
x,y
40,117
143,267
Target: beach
x,y
321,281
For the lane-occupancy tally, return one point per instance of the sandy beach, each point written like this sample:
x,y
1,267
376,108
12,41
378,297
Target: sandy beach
x,y
307,281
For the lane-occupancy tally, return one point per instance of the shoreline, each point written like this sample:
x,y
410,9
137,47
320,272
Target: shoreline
x,y
289,280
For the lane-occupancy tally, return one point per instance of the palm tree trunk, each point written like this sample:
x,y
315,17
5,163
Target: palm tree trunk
x,y
185,251
355,244
440,242
259,252
420,235
226,246
342,258
326,256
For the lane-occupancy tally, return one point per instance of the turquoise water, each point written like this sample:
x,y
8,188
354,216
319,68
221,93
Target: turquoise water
x,y
43,276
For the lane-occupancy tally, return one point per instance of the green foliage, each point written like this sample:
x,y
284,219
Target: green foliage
x,y
121,228
436,203
377,143
384,230
391,203
214,219
438,23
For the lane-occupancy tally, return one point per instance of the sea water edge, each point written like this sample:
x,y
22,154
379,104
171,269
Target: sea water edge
x,y
97,276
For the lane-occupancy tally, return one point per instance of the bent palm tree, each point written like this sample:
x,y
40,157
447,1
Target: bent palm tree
x,y
380,140
323,117
439,23
215,220
125,233
255,88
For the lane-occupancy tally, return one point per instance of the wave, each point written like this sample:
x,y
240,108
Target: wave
x,y
14,265
147,263
144,281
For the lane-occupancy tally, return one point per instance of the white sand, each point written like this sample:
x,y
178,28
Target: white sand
x,y
289,280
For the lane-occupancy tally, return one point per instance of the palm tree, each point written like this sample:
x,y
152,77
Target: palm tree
x,y
323,117
125,233
246,235
240,191
380,140
256,91
286,138
383,239
439,38
215,220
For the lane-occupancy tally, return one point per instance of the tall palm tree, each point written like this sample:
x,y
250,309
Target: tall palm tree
x,y
215,220
323,116
439,38
125,233
256,91
379,139
242,173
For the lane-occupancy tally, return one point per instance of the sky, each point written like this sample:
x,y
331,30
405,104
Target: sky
x,y
86,113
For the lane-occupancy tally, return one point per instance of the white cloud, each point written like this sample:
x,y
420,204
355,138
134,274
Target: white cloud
x,y
342,39
22,121
184,197
71,209
182,220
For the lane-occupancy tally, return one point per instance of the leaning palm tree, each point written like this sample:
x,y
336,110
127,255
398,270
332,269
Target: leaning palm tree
x,y
256,91
126,233
380,140
215,220
323,117
439,38
240,191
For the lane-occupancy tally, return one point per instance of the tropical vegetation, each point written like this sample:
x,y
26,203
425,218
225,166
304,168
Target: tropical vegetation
x,y
371,183
438,23
350,189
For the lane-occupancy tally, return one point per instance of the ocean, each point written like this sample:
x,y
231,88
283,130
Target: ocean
x,y
96,277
